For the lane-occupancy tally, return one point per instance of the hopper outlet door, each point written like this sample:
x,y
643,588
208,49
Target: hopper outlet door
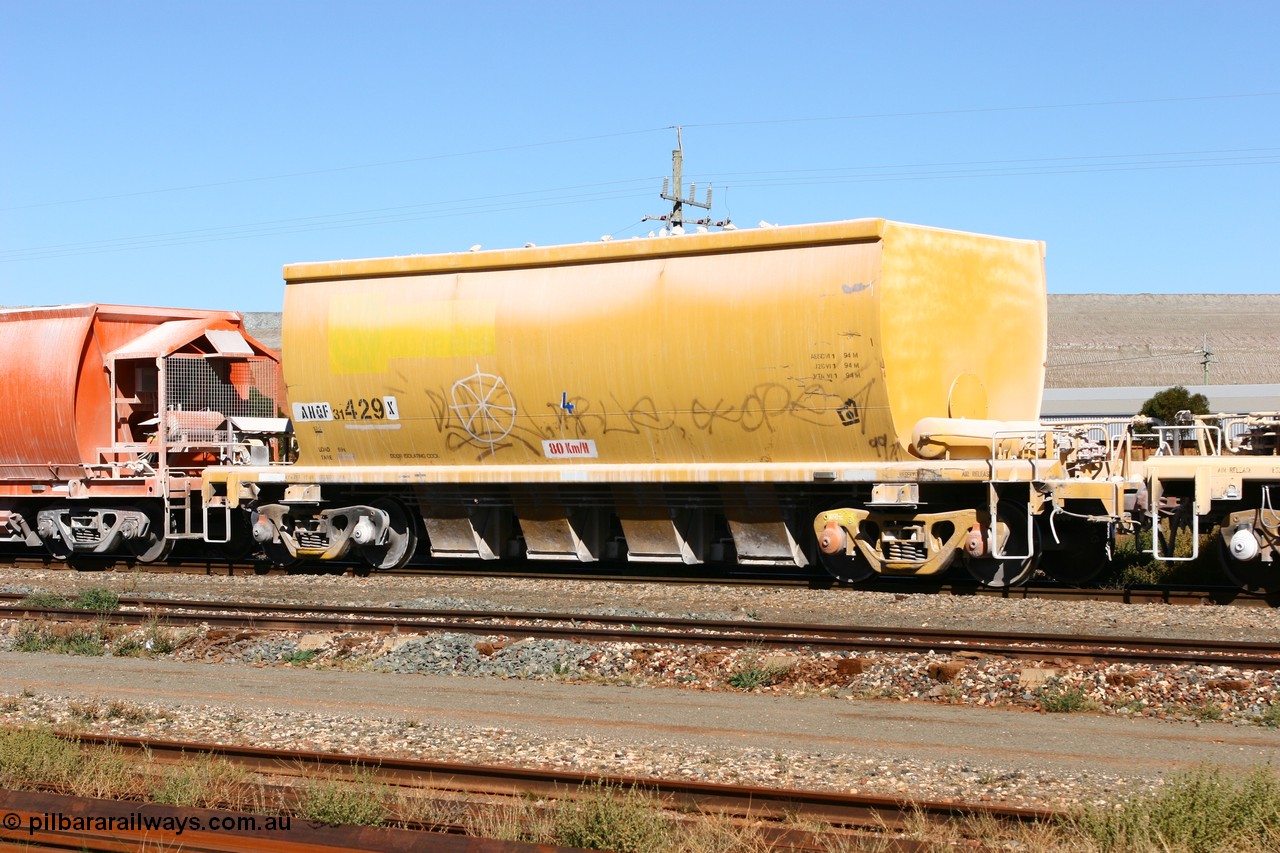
x,y
657,531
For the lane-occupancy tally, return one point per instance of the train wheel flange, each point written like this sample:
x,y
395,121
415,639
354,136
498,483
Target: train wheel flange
x,y
278,554
1087,553
1252,575
150,548
1003,572
400,539
847,568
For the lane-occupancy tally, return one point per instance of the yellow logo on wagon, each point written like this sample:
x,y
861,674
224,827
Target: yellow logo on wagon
x,y
366,331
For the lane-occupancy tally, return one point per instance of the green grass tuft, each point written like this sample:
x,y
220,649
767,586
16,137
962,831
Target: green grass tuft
x,y
98,600
1057,698
205,783
1201,812
45,638
300,656
607,818
360,801
44,600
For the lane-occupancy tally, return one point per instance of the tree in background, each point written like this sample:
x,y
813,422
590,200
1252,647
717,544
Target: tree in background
x,y
1166,404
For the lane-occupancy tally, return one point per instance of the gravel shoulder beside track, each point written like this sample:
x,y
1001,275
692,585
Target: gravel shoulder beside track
x,y
885,747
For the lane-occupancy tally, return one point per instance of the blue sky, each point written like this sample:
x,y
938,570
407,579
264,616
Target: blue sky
x,y
179,153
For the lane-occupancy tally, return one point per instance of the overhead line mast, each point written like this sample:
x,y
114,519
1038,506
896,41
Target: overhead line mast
x,y
671,192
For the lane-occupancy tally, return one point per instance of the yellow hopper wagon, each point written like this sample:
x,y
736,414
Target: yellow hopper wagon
x,y
859,393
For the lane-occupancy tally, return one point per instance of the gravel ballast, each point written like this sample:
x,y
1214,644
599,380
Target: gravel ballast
x,y
1183,705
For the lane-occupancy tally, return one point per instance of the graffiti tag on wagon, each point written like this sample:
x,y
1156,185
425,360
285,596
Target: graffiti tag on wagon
x,y
485,407
594,418
762,407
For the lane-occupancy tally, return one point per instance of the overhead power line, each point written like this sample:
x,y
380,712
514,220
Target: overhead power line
x,y
971,110
630,188
594,137
296,226
513,200
1160,357
330,170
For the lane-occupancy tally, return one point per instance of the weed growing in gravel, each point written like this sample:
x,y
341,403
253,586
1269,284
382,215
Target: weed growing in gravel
x,y
92,710
159,639
97,599
156,639
606,818
1201,812
562,669
128,647
45,599
84,711
299,656
754,671
358,801
1270,717
30,639
87,643
1057,698
519,820
60,639
1207,711
34,757
37,758
718,834
436,811
603,817
205,783
107,772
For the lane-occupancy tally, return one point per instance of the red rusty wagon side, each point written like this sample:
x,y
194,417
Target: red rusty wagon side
x,y
109,416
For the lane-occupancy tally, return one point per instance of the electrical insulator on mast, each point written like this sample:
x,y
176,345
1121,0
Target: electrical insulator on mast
x,y
671,188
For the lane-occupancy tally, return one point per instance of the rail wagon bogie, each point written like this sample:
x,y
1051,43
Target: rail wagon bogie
x,y
113,413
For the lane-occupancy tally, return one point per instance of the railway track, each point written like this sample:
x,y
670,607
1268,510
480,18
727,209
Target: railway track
x,y
54,823
1183,595
776,812
656,630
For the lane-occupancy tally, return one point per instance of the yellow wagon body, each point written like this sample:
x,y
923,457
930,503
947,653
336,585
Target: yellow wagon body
x,y
813,344
667,398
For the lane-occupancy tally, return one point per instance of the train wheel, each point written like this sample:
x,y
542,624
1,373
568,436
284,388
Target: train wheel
x,y
278,555
402,538
1011,528
155,545
152,548
74,560
848,568
1087,552
240,543
1251,575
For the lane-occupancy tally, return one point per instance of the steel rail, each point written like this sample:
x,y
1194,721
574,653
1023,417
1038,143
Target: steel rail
x,y
36,821
623,572
1179,594
741,801
577,626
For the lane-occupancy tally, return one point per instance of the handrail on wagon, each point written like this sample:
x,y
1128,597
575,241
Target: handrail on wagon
x,y
1040,440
